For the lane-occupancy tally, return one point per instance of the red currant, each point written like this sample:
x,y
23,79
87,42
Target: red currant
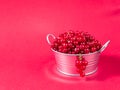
x,y
82,74
78,70
79,39
87,46
86,50
83,67
73,52
65,45
81,51
64,50
81,47
93,49
76,50
85,62
92,38
75,42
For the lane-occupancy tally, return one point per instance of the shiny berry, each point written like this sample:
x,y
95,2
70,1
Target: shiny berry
x,y
76,42
87,46
78,70
86,50
84,62
77,50
83,67
81,51
79,39
64,50
65,45
82,47
82,74
93,49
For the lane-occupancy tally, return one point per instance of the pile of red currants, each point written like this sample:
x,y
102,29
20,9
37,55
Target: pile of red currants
x,y
76,42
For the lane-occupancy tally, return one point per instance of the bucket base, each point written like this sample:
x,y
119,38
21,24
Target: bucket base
x,y
76,74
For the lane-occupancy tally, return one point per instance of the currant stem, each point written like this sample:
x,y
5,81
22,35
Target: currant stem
x,y
80,57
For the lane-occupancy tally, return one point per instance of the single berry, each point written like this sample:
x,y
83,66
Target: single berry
x,y
85,62
82,67
86,51
82,47
82,74
64,50
81,51
76,50
76,42
93,49
65,45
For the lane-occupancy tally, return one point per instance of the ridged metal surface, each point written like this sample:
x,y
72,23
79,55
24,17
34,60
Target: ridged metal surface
x,y
66,62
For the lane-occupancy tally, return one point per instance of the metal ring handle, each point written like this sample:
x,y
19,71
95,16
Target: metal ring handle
x,y
104,46
48,40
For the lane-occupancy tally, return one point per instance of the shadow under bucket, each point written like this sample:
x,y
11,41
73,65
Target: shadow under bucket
x,y
66,62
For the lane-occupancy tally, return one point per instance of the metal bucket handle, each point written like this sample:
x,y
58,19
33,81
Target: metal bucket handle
x,y
104,46
48,40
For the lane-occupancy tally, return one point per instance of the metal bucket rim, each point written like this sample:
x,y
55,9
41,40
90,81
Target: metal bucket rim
x,y
74,54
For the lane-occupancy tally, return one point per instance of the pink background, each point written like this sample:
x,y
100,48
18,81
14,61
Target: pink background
x,y
26,61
